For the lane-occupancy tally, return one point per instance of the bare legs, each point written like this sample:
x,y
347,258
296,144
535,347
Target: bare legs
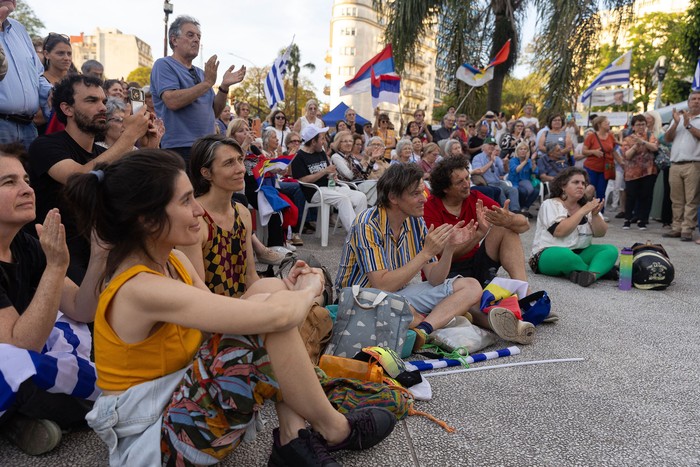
x,y
504,245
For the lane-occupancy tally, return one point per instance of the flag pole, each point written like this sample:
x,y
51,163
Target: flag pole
x,y
465,98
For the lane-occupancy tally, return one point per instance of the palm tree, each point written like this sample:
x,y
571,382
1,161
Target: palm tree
x,y
473,31
293,69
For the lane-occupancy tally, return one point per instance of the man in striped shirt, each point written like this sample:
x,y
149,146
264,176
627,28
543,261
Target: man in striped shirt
x,y
389,244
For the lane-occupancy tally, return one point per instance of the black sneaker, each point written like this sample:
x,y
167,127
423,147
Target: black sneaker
x,y
620,215
368,427
34,436
626,225
309,449
642,225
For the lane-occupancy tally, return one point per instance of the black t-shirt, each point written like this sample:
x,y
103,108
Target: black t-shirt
x,y
309,163
44,153
475,142
19,280
441,133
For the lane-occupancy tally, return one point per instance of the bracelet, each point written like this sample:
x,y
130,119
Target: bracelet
x,y
221,89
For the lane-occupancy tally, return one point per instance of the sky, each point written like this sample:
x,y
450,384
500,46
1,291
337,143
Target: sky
x,y
253,29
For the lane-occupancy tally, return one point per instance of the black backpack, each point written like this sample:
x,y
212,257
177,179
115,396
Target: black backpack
x,y
651,267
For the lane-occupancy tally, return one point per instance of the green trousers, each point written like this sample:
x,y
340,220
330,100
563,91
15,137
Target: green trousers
x,y
559,261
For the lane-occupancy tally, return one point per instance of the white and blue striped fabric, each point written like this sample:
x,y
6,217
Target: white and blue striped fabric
x,y
274,83
63,366
617,73
696,78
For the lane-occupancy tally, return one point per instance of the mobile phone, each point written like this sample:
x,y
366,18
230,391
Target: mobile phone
x,y
137,97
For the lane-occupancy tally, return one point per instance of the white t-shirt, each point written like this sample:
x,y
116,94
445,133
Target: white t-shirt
x,y
528,121
552,212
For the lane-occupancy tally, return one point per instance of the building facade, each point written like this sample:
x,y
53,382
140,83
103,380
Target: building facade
x,y
119,53
357,34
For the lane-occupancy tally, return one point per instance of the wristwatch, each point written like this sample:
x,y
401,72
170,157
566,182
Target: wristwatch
x,y
687,127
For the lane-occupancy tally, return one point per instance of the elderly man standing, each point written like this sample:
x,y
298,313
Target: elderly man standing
x,y
182,93
20,89
351,120
445,131
684,174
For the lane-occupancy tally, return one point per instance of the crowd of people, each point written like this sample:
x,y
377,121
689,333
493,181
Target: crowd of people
x,y
144,216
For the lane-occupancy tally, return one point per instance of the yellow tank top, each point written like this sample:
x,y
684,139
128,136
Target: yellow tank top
x,y
120,365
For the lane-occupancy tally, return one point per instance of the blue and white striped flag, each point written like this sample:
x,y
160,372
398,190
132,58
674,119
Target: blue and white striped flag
x,y
63,366
696,78
615,74
274,83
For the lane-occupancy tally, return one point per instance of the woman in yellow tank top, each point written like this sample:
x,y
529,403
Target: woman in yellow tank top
x,y
147,336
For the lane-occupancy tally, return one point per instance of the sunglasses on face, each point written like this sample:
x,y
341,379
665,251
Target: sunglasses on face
x,y
294,141
280,117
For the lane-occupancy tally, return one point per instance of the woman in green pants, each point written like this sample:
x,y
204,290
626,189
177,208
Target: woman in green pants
x,y
566,225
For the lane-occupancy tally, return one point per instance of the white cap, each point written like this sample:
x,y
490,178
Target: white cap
x,y
310,132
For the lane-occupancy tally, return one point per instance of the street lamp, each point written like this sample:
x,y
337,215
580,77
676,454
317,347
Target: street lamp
x,y
168,10
660,69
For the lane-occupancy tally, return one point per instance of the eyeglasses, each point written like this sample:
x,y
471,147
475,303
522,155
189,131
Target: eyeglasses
x,y
116,119
280,117
294,141
56,36
195,76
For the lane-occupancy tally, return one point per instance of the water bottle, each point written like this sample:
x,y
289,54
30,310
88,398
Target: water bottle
x,y
626,269
331,182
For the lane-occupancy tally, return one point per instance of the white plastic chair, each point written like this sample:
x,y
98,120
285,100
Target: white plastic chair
x,y
544,190
324,214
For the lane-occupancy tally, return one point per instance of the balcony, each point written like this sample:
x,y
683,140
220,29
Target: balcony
x,y
415,77
326,90
412,93
327,73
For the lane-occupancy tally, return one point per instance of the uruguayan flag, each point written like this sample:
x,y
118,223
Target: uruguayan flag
x,y
696,78
274,83
615,74
63,366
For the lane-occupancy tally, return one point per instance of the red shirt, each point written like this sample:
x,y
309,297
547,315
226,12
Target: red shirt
x,y
597,164
436,214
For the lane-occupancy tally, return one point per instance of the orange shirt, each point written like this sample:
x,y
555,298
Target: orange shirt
x,y
120,365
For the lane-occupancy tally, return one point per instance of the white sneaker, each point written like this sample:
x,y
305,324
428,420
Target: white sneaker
x,y
509,328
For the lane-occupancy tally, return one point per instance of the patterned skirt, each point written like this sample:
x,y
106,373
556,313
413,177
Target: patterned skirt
x,y
217,400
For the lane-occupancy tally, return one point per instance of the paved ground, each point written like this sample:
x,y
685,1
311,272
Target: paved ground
x,y
633,401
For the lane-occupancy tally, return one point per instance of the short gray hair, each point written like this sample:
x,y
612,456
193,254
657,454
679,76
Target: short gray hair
x,y
176,28
375,139
267,134
403,142
89,65
114,104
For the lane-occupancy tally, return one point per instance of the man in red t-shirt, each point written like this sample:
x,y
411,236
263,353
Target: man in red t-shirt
x,y
498,241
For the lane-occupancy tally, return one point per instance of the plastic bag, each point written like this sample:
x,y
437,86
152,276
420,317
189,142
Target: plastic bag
x,y
461,333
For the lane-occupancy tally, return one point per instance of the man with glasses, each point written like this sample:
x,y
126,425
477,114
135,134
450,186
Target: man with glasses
x,y
425,133
445,131
182,93
21,87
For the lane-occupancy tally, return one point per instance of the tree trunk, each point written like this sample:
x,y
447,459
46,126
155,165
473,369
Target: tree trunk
x,y
504,30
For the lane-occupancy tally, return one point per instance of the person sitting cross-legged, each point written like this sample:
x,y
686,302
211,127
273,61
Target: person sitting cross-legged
x,y
390,244
497,240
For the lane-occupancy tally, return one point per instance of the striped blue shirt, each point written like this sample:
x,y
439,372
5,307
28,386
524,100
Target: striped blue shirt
x,y
371,246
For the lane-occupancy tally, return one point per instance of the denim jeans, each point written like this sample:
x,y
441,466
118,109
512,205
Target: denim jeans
x,y
11,132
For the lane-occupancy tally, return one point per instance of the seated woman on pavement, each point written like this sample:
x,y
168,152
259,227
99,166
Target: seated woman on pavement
x,y
170,394
566,225
33,288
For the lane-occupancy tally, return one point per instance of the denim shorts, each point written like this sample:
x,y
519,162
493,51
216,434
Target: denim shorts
x,y
423,297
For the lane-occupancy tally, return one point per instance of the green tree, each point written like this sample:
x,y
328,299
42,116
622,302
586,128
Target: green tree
x,y
518,92
251,90
141,75
650,37
293,69
475,31
689,43
31,22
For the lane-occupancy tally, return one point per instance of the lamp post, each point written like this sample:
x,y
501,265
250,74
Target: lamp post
x,y
258,73
168,10
660,69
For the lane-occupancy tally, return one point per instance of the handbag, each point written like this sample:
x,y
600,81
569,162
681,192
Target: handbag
x,y
651,267
369,317
609,170
535,307
662,158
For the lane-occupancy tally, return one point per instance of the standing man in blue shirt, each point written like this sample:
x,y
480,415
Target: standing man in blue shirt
x,y
19,90
182,93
